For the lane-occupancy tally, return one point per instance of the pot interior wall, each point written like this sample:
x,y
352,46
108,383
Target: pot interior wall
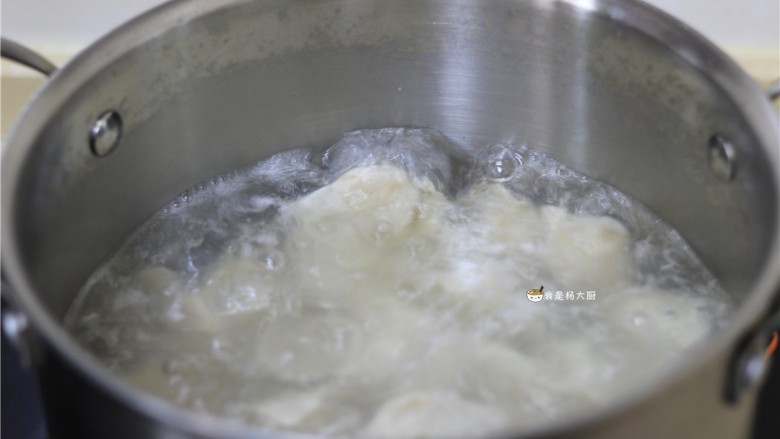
x,y
225,89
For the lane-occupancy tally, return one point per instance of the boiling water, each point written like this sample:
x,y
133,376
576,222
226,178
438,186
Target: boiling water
x,y
381,290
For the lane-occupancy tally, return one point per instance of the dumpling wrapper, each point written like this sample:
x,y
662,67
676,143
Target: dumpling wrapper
x,y
232,286
374,201
289,409
433,414
502,220
491,224
585,252
363,232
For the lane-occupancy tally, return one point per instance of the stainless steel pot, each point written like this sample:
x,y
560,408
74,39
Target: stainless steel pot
x,y
615,89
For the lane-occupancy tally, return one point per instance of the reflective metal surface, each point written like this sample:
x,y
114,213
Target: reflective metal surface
x,y
723,158
612,88
16,52
774,90
105,133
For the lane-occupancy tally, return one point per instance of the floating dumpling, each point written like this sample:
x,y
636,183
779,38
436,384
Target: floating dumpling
x,y
586,252
432,415
367,216
378,200
505,221
289,409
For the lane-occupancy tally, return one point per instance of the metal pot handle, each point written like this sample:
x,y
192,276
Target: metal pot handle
x,y
14,321
16,52
773,91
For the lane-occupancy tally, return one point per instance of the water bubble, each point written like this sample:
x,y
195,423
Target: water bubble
x,y
322,227
499,162
171,367
274,260
383,228
195,241
639,318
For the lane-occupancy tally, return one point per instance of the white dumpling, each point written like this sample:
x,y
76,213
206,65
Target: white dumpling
x,y
491,225
431,414
478,297
146,289
376,200
368,215
182,307
191,311
151,377
393,334
235,285
650,314
577,368
324,410
154,279
585,252
289,409
475,368
308,348
502,220
500,376
232,286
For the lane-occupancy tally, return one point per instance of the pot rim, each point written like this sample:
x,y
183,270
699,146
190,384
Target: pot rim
x,y
694,48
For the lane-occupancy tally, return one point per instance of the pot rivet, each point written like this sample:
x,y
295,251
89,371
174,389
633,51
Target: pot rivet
x,y
722,156
15,328
749,364
105,133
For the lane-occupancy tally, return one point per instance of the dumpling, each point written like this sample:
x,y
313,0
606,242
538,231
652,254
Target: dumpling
x,y
490,224
581,369
308,348
478,297
232,286
368,215
393,334
585,252
152,377
289,409
502,220
438,414
487,371
154,279
146,291
235,285
376,200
